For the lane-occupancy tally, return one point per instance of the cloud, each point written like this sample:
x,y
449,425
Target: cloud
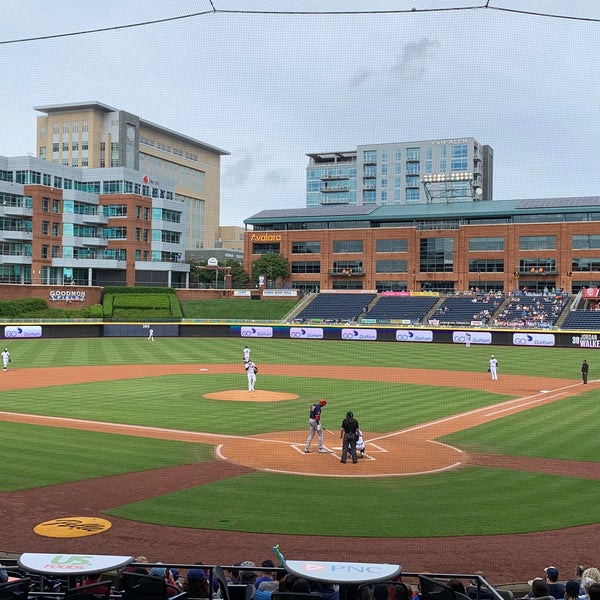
x,y
414,59
238,173
361,76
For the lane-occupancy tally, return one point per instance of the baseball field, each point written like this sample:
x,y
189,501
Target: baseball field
x,y
163,440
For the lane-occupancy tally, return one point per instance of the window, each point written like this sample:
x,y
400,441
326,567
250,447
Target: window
x,y
306,266
537,265
370,156
436,255
55,251
265,248
56,206
65,146
413,181
585,264
391,246
413,168
45,227
391,266
585,242
347,246
413,154
391,286
115,233
306,247
138,234
412,194
537,242
55,229
44,253
115,210
486,243
486,265
347,267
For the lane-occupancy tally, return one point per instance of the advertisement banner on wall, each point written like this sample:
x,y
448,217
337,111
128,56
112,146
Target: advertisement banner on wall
x,y
308,333
359,334
260,332
23,331
533,339
472,337
414,335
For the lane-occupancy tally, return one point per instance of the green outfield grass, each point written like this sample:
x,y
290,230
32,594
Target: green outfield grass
x,y
470,501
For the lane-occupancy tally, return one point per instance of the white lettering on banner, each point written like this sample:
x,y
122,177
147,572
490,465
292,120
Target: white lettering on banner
x,y
359,334
241,292
67,296
315,333
291,293
411,335
481,337
444,142
257,332
533,339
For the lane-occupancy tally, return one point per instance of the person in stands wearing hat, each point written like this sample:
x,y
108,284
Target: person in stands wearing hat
x,y
349,437
572,590
315,425
165,574
266,575
555,588
196,583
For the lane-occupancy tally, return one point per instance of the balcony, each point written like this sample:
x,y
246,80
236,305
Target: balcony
x,y
536,271
356,272
340,188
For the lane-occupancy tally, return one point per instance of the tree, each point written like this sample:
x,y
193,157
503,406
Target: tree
x,y
239,277
272,266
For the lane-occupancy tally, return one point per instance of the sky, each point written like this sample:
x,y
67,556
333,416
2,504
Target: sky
x,y
272,88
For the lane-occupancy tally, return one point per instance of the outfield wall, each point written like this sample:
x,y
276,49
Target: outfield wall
x,y
458,336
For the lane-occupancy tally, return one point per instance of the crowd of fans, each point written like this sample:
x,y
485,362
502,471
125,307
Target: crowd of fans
x,y
260,582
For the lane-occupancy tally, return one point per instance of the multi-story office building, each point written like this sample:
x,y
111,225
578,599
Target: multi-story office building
x,y
500,245
94,135
62,224
446,170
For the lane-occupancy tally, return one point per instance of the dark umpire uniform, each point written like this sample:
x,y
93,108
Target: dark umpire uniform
x,y
349,435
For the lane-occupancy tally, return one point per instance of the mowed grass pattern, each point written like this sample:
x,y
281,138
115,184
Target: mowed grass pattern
x,y
470,501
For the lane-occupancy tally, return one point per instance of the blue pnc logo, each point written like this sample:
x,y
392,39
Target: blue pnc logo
x,y
533,339
23,331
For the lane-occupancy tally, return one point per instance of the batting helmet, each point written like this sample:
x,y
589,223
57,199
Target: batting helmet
x,y
349,414
322,402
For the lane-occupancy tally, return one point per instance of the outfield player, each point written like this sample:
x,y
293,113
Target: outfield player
x,y
493,368
5,359
315,426
251,370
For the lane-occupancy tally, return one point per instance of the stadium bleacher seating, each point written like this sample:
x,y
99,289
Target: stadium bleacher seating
x,y
466,309
532,310
582,319
411,308
332,307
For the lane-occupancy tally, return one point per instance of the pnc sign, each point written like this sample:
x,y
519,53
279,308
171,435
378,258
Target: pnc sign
x,y
342,572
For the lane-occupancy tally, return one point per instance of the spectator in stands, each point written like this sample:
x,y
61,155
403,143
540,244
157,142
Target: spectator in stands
x,y
380,592
3,574
248,577
591,573
472,589
132,569
233,575
266,574
555,588
287,582
301,586
457,585
165,574
327,591
403,591
572,590
594,591
196,584
94,578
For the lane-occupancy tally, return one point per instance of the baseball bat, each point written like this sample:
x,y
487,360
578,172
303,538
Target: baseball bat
x,y
327,430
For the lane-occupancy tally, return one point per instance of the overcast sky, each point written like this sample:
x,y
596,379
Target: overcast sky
x,y
271,88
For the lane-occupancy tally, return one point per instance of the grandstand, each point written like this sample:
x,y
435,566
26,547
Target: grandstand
x,y
587,320
463,310
532,311
335,308
405,308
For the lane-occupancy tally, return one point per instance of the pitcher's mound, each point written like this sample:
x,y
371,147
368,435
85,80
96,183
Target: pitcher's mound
x,y
246,396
